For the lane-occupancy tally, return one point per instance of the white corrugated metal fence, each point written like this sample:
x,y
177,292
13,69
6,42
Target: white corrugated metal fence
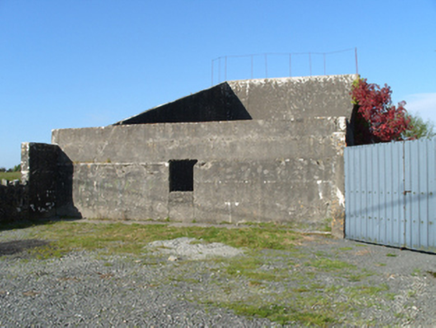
x,y
390,194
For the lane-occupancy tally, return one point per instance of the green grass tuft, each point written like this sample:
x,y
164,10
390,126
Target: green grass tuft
x,y
281,314
123,238
329,265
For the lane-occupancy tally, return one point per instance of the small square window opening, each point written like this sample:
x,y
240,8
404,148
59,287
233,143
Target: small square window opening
x,y
182,175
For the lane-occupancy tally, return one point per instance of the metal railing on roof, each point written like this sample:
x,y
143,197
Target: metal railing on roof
x,y
296,64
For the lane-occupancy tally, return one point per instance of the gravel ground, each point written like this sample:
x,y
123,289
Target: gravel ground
x,y
175,288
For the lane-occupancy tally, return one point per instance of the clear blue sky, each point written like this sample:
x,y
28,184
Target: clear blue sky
x,y
84,63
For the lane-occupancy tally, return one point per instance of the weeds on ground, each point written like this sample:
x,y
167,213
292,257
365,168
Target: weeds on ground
x,y
122,238
313,294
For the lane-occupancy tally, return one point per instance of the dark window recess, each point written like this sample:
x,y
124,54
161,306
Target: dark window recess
x,y
182,175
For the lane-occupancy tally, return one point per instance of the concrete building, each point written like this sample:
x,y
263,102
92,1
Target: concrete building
x,y
249,150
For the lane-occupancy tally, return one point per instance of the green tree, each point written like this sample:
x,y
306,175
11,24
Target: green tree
x,y
419,128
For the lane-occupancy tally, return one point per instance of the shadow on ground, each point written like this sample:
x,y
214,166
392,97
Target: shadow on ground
x,y
18,246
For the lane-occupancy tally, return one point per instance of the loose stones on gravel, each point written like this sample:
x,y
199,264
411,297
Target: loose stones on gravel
x,y
191,248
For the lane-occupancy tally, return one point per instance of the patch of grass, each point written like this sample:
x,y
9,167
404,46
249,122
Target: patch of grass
x,y
329,265
301,289
321,254
355,277
46,252
249,266
280,225
281,314
307,298
369,290
10,176
327,224
346,248
254,283
411,293
307,305
185,279
400,315
390,296
416,272
391,255
432,273
123,238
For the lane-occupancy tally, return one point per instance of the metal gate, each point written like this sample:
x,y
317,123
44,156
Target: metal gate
x,y
390,194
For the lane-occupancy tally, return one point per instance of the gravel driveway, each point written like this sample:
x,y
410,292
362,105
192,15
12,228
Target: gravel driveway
x,y
360,284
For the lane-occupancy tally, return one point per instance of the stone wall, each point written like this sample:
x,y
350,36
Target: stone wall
x,y
35,196
39,169
13,201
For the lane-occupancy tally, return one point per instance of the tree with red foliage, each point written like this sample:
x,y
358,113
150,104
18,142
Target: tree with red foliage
x,y
376,119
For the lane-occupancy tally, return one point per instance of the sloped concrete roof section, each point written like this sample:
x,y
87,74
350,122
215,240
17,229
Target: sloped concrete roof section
x,y
218,103
259,99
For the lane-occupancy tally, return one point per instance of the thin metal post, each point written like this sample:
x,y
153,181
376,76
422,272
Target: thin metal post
x,y
251,66
310,63
219,70
324,64
225,69
357,65
266,65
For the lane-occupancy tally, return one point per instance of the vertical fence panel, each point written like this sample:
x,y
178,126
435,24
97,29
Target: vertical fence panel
x,y
375,192
397,205
381,194
411,155
422,167
391,172
431,210
368,208
390,192
349,167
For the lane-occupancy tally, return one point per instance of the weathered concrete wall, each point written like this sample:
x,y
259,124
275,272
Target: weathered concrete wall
x,y
258,99
264,150
294,98
278,171
121,191
288,190
257,140
35,196
13,201
39,173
